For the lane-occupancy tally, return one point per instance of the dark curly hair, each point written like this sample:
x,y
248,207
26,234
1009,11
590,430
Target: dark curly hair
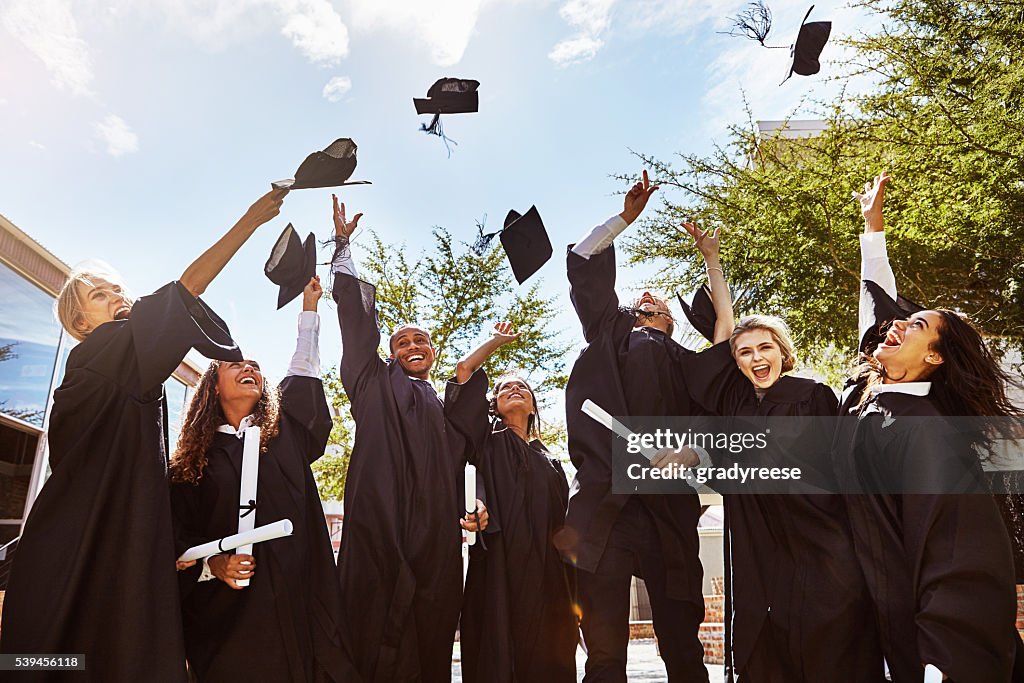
x,y
203,417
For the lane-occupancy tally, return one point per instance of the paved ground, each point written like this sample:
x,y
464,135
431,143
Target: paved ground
x,y
644,664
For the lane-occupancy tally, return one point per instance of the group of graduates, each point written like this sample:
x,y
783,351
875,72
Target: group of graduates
x,y
821,586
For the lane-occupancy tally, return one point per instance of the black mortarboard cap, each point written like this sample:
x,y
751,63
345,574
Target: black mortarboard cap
x,y
524,240
805,50
701,313
330,168
291,264
450,96
885,309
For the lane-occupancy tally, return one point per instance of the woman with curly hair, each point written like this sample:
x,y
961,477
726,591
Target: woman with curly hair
x,y
518,622
929,537
281,627
94,569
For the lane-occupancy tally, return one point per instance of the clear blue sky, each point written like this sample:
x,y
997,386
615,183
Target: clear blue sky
x,y
139,131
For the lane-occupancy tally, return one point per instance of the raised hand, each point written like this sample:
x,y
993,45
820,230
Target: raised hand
x,y
871,201
311,294
636,199
266,207
707,243
342,227
504,333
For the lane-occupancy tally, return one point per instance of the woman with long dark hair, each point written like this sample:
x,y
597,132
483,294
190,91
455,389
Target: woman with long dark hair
x,y
796,601
94,573
281,627
518,623
929,537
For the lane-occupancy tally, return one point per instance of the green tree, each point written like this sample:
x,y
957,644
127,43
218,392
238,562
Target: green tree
x,y
943,117
457,291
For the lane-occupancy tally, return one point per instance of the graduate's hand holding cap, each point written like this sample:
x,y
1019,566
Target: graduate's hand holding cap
x,y
636,199
266,207
311,294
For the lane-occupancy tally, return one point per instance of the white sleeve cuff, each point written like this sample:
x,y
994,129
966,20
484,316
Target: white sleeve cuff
x,y
309,320
306,360
872,245
600,237
207,574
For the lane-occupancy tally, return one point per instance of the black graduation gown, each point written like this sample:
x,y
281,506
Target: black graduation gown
x,y
798,603
518,624
625,373
400,564
283,626
94,571
938,567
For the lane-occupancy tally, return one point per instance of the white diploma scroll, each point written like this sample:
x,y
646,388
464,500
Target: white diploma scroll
x,y
707,496
267,532
932,674
247,489
470,499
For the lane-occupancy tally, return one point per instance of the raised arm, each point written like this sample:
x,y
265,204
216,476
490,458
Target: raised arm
x,y
471,362
708,245
874,259
306,359
357,308
198,276
591,264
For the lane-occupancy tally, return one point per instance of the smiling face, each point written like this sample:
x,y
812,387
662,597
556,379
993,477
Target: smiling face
x,y
240,382
410,346
907,352
759,357
99,301
513,395
660,318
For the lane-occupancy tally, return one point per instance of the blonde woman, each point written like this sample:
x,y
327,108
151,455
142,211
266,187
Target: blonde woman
x,y
94,571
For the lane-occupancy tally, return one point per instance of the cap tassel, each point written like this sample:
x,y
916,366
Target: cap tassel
x,y
435,128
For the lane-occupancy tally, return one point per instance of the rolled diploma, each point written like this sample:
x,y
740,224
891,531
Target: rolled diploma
x,y
470,499
247,488
267,532
707,495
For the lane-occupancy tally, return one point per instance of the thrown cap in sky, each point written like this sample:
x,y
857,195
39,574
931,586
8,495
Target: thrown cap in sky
x,y
526,243
330,168
447,96
291,264
806,49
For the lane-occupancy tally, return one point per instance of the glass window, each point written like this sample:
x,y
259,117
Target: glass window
x,y
29,336
177,393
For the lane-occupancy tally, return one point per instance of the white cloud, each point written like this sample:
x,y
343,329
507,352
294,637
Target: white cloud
x,y
37,145
590,18
572,50
444,27
316,29
118,137
48,29
336,88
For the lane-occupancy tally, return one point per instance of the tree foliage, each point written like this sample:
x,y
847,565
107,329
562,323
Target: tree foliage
x,y
457,291
943,116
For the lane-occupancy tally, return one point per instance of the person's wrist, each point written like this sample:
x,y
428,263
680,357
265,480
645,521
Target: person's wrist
x,y
628,217
712,262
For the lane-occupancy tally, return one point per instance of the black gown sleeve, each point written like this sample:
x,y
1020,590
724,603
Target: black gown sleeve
x,y
187,521
712,378
169,322
959,556
592,290
360,335
467,410
303,399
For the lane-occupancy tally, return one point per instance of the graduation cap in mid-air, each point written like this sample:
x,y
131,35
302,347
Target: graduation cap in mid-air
x,y
330,168
755,23
291,264
524,240
447,96
805,50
